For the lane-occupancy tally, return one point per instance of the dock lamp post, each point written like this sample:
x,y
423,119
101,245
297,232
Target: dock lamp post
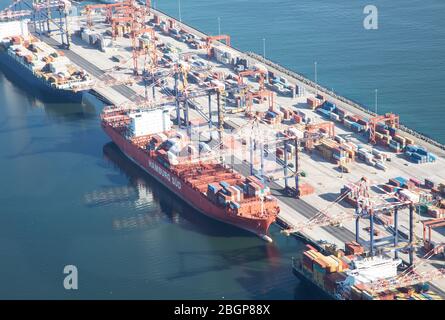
x,y
264,48
316,80
179,10
375,102
264,57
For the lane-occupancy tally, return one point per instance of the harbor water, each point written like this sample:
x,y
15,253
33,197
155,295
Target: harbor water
x,y
69,197
402,59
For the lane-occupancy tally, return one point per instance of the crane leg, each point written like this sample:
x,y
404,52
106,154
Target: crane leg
x,y
186,115
251,155
220,116
297,168
357,227
178,109
411,234
262,159
210,111
286,182
371,233
396,232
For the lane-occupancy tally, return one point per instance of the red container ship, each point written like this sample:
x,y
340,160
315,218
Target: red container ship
x,y
146,138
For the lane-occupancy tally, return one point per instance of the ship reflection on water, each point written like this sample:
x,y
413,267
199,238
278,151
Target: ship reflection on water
x,y
137,197
145,193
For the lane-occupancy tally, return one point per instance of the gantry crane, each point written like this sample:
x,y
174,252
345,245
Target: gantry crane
x,y
88,9
252,72
390,119
311,129
210,39
428,225
138,51
135,18
366,208
323,218
115,21
287,139
262,93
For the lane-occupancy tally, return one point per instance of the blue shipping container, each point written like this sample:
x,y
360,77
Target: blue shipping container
x,y
401,180
212,188
324,113
224,184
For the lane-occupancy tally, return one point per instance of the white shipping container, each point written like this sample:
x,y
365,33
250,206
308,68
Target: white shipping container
x,y
259,66
14,28
218,84
57,68
409,195
297,133
172,158
105,42
380,165
163,136
94,37
334,116
237,193
340,140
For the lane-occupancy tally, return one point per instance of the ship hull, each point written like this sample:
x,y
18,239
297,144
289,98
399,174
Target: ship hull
x,y
28,81
192,197
300,275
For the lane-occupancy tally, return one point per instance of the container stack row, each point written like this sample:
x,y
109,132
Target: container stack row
x,y
225,194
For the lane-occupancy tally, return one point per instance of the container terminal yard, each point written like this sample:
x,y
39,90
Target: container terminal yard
x,y
253,143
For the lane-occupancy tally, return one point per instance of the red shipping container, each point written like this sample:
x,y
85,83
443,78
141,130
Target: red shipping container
x,y
297,118
353,118
416,182
311,102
